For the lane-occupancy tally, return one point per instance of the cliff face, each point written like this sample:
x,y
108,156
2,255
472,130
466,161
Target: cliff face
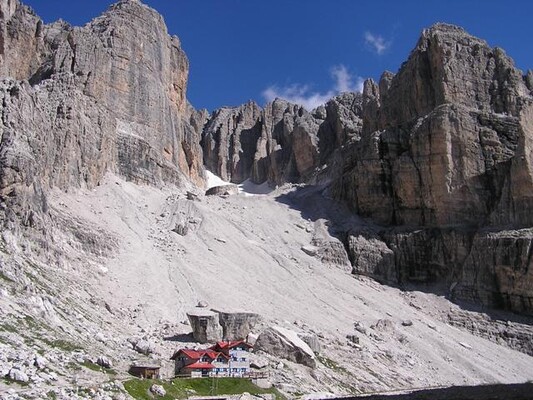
x,y
446,148
230,139
442,137
282,142
110,96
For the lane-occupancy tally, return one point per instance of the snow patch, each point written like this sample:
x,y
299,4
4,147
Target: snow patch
x,y
214,180
249,188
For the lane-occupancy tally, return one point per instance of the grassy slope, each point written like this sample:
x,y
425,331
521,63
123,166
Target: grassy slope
x,y
182,388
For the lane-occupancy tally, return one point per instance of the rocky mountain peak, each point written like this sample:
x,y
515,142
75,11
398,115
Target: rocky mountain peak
x,y
113,92
132,8
444,29
463,69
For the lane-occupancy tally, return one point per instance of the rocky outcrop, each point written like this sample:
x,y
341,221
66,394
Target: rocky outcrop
x,y
370,256
286,344
282,142
237,325
205,325
22,40
214,325
106,97
444,158
516,335
329,249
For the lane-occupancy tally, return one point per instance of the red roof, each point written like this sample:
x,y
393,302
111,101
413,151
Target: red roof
x,y
230,345
197,354
199,365
194,354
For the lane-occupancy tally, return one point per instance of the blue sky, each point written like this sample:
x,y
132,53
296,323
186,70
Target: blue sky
x,y
307,50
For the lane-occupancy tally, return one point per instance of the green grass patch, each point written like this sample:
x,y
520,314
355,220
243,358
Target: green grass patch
x,y
5,327
98,368
329,363
5,277
74,366
7,380
51,395
61,344
19,325
32,324
183,388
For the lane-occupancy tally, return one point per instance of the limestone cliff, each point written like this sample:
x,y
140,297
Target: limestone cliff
x,y
78,102
446,148
282,142
442,137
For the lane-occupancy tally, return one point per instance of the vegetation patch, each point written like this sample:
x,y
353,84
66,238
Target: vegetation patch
x,y
61,344
329,363
32,324
183,388
51,395
8,381
98,368
6,327
6,278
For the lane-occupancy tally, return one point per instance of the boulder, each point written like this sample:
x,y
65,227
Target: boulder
x,y
252,338
248,396
18,375
181,229
359,327
224,190
40,362
205,325
258,361
192,196
99,336
353,338
285,343
104,362
237,325
384,325
310,250
158,390
144,346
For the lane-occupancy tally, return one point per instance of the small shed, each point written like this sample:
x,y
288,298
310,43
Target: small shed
x,y
146,371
